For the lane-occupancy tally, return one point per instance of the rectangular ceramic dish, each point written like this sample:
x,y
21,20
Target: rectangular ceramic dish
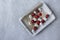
x,y
24,19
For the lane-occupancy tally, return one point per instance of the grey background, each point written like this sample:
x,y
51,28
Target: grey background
x,y
12,10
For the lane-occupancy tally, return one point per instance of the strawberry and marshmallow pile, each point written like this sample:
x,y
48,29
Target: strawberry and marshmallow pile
x,y
36,19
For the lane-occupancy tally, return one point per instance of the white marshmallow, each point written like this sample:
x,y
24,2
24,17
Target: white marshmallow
x,y
40,23
34,19
35,12
45,18
29,23
39,19
36,25
30,16
40,9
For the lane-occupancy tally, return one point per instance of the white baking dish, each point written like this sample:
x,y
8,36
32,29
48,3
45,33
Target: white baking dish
x,y
46,9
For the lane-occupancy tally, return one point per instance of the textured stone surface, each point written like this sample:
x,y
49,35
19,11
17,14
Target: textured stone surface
x,y
12,10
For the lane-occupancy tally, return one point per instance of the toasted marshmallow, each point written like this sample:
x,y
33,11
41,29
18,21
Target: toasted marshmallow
x,y
30,16
45,18
34,19
39,19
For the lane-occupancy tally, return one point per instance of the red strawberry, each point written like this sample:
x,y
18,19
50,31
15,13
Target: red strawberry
x,y
39,14
32,21
37,10
36,16
47,15
33,14
43,21
35,28
38,22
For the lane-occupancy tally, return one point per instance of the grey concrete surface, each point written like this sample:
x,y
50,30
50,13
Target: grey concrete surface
x,y
12,10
